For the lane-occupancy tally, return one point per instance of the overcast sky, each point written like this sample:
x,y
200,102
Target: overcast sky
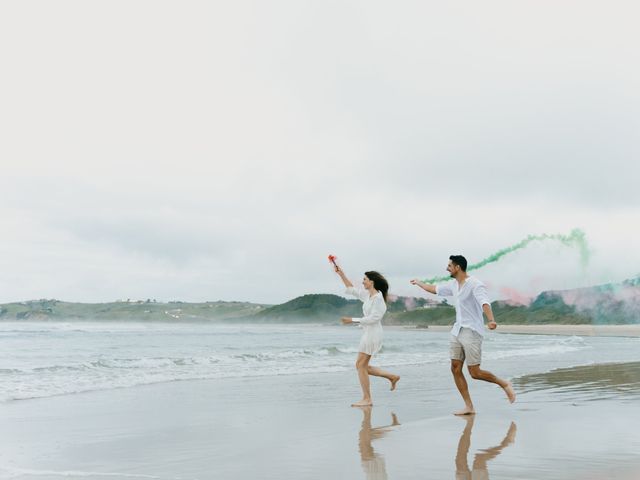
x,y
221,150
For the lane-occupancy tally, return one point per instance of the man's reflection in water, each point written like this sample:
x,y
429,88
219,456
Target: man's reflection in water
x,y
479,471
373,463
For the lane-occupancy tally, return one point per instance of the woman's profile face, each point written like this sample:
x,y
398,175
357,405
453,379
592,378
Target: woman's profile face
x,y
366,283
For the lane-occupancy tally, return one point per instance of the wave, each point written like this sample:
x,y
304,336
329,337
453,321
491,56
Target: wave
x,y
36,373
533,351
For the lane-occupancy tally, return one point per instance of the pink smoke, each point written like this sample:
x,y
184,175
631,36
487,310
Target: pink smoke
x,y
514,297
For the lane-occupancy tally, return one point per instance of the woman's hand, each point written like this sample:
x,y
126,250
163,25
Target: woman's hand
x,y
346,320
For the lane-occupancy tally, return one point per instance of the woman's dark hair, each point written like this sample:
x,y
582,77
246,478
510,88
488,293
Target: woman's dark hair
x,y
460,261
379,283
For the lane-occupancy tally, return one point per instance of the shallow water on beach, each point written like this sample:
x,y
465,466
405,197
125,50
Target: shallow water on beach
x,y
587,382
46,359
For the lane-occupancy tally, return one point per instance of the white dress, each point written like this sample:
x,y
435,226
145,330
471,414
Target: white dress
x,y
373,309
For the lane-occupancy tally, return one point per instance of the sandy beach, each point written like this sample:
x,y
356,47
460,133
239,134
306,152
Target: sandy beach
x,y
281,428
569,423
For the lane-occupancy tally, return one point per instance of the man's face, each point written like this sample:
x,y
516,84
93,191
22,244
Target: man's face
x,y
453,269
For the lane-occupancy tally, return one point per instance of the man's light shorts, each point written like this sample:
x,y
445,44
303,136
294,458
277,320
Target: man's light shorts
x,y
466,346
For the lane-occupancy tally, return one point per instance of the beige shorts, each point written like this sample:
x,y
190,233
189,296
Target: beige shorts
x,y
466,346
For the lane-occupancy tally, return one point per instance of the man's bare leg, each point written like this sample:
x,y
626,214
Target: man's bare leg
x,y
362,365
378,372
463,388
477,373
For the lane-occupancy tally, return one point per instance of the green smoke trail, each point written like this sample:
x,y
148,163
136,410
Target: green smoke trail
x,y
575,239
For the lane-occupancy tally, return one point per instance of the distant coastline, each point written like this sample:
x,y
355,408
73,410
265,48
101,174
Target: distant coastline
x,y
609,304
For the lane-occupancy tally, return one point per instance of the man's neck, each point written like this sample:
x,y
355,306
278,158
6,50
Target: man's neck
x,y
461,278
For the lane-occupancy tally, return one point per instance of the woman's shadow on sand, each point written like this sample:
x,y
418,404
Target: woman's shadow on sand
x,y
372,462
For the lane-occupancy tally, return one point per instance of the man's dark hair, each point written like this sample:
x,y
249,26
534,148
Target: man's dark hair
x,y
460,261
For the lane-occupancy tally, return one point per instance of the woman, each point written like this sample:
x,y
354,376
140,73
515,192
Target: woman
x,y
374,298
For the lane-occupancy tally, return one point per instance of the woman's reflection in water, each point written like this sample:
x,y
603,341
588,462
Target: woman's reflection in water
x,y
373,463
479,471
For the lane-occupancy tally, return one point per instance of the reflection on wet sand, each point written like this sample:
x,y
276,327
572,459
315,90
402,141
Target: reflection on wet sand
x,y
591,382
372,462
479,470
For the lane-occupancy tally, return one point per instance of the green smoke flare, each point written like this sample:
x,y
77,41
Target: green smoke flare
x,y
575,239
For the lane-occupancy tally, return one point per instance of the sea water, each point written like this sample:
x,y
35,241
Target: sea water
x,y
42,359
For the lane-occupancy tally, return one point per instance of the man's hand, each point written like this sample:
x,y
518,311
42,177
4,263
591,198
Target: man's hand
x,y
424,286
346,320
492,325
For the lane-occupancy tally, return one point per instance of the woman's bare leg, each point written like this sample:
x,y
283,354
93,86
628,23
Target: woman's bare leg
x,y
362,365
378,372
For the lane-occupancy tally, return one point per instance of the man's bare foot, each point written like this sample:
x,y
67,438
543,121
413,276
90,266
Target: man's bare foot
x,y
362,403
465,411
395,380
511,394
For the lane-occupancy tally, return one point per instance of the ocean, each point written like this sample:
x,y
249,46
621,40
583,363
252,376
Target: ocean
x,y
44,359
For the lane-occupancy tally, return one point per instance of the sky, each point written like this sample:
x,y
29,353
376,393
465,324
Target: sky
x,y
203,151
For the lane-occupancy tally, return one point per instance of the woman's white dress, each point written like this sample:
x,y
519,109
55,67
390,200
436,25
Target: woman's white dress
x,y
373,309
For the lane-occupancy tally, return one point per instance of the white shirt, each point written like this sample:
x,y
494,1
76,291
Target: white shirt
x,y
373,308
469,300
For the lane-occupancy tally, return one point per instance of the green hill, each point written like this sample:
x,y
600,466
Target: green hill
x,y
603,304
329,308
312,307
138,310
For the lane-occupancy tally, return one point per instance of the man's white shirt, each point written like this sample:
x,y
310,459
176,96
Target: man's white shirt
x,y
469,300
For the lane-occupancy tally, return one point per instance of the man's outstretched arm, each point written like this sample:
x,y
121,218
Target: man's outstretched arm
x,y
425,286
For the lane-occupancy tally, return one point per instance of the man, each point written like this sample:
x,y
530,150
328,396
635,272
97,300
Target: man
x,y
466,335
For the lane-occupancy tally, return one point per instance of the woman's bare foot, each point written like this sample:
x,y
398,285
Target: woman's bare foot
x,y
511,394
363,403
465,411
394,380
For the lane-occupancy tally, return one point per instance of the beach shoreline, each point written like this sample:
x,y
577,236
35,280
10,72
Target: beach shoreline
x,y
552,329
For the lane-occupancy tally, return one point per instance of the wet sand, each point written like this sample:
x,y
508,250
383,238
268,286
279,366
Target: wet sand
x,y
301,427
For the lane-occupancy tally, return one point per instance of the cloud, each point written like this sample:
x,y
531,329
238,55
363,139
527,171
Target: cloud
x,y
223,150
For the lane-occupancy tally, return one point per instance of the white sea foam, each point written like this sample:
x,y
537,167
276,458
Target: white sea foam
x,y
40,360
